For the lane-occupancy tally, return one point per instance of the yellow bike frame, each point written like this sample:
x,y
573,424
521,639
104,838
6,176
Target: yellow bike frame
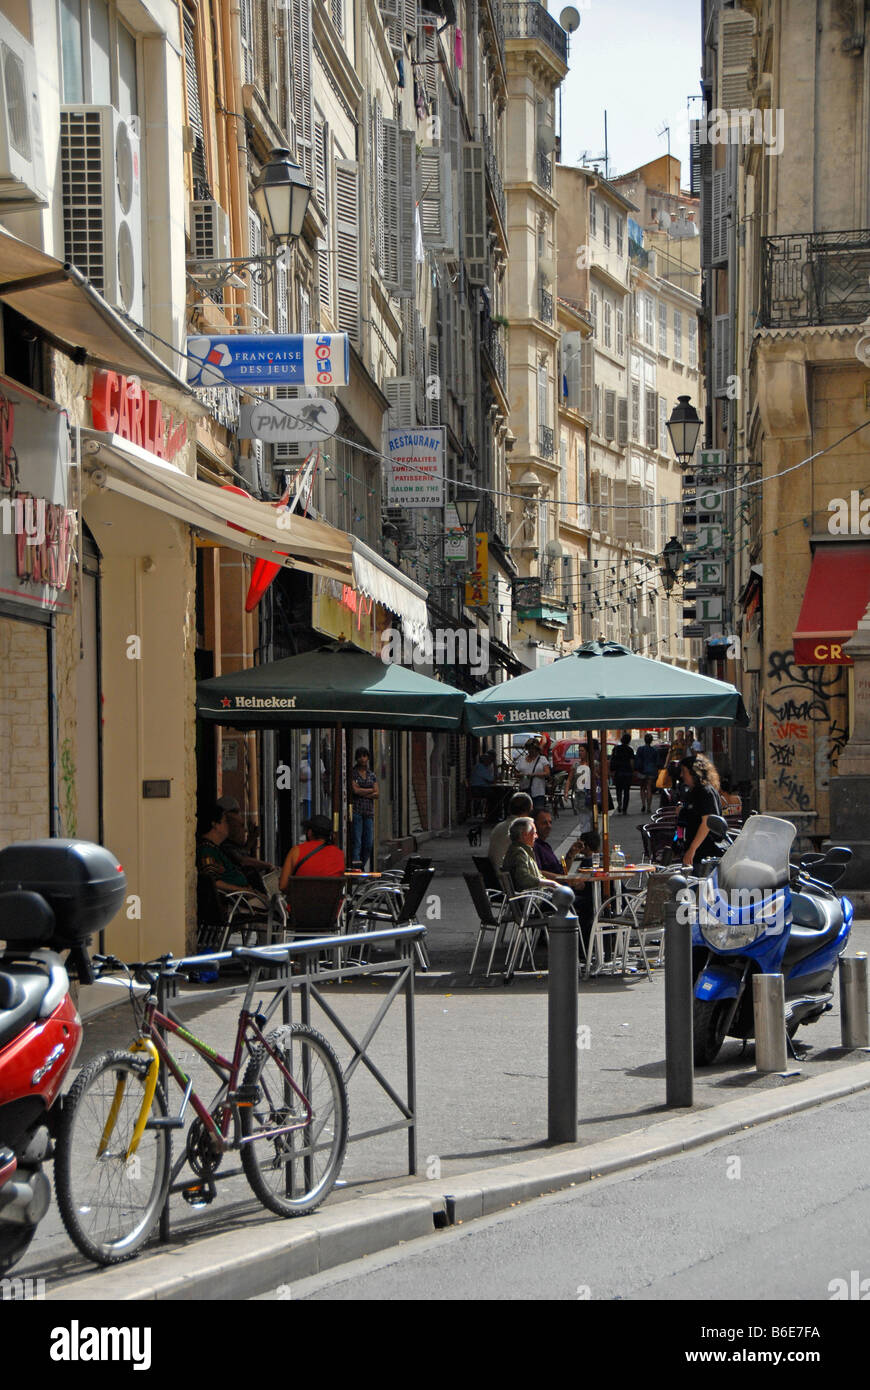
x,y
140,1045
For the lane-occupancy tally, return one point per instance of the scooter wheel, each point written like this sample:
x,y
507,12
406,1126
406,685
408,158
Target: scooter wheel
x,y
709,1020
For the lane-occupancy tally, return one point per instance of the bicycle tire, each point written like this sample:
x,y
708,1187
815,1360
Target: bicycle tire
x,y
271,1166
110,1207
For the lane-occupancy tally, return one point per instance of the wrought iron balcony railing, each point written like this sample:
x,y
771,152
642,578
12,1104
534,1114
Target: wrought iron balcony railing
x,y
546,307
493,173
547,442
496,16
811,278
530,20
491,520
492,346
544,172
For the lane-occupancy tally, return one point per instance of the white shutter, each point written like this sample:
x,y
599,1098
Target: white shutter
x,y
433,385
255,244
400,391
379,174
389,203
246,25
721,353
336,8
635,411
407,263
634,513
587,379
302,101
436,214
347,247
736,30
474,207
622,421
391,11
282,307
321,160
409,14
719,217
304,311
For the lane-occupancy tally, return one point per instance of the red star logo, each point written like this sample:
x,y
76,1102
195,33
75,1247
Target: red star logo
x,y
499,718
226,702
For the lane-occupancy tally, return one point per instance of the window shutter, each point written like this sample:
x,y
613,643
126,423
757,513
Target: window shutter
x,y
389,203
721,353
194,104
608,324
695,158
649,323
622,420
420,365
678,336
663,328
572,369
706,163
347,247
434,195
407,204
634,510
304,311
400,392
595,499
693,341
336,9
246,25
596,410
609,414
663,425
409,15
620,332
282,307
433,385
474,206
635,411
286,452
719,225
736,31
262,49
587,379
391,13
379,171
302,103
607,506
619,529
321,147
255,243
648,539
652,419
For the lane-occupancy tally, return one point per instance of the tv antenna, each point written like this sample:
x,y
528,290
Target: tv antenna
x,y
666,130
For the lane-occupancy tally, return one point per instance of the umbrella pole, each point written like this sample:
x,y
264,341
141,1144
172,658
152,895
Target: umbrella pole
x,y
336,788
593,778
605,819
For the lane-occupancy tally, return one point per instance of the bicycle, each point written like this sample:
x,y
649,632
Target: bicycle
x,y
288,1118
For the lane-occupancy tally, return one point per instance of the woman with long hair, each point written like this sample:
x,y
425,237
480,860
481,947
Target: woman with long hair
x,y
701,801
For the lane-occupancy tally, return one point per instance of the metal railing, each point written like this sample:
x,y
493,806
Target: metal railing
x,y
546,306
491,520
547,442
544,171
493,348
530,20
811,278
492,172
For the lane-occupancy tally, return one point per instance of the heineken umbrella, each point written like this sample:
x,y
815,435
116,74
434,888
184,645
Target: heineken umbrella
x,y
603,686
334,685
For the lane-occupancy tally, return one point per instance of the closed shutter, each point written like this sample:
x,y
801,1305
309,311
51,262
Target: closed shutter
x,y
389,204
255,246
436,212
648,539
736,31
706,163
400,391
379,170
609,414
634,513
649,321
663,425
635,411
622,420
719,224
321,159
407,273
607,505
652,422
619,527
347,247
302,101
620,332
246,25
587,379
282,304
721,353
420,365
474,209
663,328
695,158
263,50
433,384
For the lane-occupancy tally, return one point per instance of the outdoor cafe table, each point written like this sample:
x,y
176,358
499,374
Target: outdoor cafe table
x,y
618,876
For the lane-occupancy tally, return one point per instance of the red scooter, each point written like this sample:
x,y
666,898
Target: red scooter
x,y
54,895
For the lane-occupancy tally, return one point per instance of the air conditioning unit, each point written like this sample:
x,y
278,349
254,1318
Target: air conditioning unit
x,y
22,158
209,231
102,203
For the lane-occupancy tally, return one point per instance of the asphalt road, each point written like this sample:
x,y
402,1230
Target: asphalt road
x,y
780,1212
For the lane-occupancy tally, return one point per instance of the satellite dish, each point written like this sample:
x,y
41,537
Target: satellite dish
x,y
569,19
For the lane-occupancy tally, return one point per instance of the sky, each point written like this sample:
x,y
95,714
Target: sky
x,y
639,61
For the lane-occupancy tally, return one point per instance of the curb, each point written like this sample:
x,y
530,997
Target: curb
x,y
242,1264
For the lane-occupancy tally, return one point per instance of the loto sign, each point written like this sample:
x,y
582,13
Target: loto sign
x,y
121,405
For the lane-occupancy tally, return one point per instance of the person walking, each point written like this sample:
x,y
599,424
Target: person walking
x,y
364,794
701,782
646,765
622,768
534,769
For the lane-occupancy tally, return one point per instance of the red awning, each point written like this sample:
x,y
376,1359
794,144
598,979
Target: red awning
x,y
836,597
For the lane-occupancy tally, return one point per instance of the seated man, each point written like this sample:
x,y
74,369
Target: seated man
x,y
522,865
499,841
212,859
235,846
316,856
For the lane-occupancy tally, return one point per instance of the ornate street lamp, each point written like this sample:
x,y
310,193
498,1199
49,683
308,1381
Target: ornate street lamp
x,y
281,196
466,511
672,562
684,427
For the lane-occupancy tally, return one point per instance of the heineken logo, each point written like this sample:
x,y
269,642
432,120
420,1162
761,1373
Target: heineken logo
x,y
531,716
259,702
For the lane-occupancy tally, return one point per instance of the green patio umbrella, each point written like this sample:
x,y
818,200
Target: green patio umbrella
x,y
334,685
603,686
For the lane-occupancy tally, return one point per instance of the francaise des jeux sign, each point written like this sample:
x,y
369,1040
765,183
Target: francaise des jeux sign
x,y
298,359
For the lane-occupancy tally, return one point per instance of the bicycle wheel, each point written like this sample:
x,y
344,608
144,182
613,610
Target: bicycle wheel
x,y
110,1204
292,1173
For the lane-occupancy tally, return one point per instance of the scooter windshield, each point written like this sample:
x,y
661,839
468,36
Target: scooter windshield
x,y
759,856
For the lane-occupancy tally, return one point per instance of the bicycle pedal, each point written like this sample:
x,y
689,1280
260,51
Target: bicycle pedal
x,y
165,1122
199,1194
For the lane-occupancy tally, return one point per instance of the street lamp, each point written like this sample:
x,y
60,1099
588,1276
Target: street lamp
x,y
281,196
684,427
466,511
672,563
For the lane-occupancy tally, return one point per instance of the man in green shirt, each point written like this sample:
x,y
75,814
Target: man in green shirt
x,y
213,861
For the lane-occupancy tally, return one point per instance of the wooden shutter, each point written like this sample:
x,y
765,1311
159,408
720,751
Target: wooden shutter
x,y
391,11
474,208
302,100
400,391
389,203
736,31
436,213
347,247
433,384
622,421
609,414
255,244
263,51
634,512
587,379
246,25
619,527
652,419
407,267
721,353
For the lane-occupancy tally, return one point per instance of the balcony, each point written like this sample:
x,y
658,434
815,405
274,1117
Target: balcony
x,y
815,278
491,520
544,172
493,174
494,350
547,442
531,21
493,8
546,307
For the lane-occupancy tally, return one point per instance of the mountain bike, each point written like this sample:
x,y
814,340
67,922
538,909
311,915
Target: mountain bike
x,y
288,1117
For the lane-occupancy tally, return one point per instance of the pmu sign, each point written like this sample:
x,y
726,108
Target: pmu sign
x,y
250,359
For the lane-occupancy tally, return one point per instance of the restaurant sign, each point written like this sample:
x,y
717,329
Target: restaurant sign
x,y
37,526
414,467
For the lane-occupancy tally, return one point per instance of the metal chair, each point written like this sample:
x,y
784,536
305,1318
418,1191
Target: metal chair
x,y
527,911
490,917
483,865
628,918
393,904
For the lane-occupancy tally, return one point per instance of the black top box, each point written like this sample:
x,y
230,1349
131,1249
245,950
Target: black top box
x,y
83,883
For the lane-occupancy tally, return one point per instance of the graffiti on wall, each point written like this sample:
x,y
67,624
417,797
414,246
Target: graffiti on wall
x,y
798,698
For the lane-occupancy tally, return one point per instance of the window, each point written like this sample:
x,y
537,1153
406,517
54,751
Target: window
x,y
678,336
98,56
620,236
606,221
563,472
652,423
663,425
649,323
608,324
609,414
663,328
620,332
693,341
635,411
593,304
637,302
593,217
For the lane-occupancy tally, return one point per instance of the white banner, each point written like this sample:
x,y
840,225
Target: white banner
x,y
415,471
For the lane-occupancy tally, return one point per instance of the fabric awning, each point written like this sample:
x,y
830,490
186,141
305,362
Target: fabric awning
x,y
836,597
57,297
252,526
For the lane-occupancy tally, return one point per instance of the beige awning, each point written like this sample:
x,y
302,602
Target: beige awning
x,y
58,298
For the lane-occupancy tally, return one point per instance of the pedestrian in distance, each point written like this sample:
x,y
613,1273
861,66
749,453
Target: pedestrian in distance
x,y
646,765
622,768
534,770
364,794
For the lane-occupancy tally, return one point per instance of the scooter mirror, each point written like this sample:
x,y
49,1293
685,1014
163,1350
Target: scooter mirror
x,y
717,826
838,854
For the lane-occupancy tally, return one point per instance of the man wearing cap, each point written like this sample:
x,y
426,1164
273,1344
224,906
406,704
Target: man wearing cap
x,y
235,847
316,856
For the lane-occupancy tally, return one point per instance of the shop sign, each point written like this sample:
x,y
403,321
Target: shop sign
x,y
477,584
120,405
415,467
455,537
37,527
288,421
298,359
340,611
812,651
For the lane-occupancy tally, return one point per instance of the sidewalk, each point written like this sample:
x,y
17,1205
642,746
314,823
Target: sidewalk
x,y
481,1083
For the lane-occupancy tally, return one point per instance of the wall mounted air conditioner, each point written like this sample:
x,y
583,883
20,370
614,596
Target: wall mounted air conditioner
x,y
22,158
209,231
102,203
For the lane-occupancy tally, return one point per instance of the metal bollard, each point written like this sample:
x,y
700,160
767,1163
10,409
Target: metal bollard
x,y
768,1003
679,1001
562,998
854,1018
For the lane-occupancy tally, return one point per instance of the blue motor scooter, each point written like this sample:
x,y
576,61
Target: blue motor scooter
x,y
758,913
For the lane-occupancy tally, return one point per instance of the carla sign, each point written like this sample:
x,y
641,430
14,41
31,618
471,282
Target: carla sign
x,y
121,405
